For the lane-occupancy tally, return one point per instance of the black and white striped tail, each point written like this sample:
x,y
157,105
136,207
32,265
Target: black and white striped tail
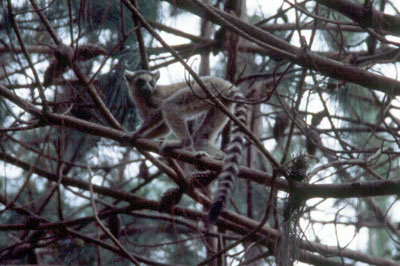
x,y
230,170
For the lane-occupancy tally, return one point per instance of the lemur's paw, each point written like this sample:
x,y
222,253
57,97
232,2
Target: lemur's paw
x,y
200,154
174,144
218,155
210,152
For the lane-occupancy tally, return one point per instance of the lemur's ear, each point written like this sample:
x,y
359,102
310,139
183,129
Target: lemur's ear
x,y
128,74
156,75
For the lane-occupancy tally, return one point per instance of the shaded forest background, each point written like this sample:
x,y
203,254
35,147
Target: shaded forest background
x,y
319,179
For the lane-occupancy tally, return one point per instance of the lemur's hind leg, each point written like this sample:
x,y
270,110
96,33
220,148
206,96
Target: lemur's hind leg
x,y
207,133
179,126
176,111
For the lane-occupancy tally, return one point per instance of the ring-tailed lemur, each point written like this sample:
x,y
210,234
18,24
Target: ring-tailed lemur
x,y
170,107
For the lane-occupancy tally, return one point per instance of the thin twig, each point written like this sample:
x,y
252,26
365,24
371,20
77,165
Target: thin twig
x,y
28,58
105,230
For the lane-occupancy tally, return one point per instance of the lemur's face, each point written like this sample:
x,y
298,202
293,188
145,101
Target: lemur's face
x,y
142,82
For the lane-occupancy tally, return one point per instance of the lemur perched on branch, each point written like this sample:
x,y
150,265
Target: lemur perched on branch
x,y
170,107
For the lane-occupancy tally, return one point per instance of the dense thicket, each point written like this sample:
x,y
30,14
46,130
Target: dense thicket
x,y
319,180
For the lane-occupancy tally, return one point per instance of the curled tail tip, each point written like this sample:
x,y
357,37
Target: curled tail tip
x,y
214,212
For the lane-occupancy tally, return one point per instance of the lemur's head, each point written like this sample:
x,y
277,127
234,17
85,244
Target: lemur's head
x,y
141,82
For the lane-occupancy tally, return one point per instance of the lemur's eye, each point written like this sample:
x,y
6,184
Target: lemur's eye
x,y
140,82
